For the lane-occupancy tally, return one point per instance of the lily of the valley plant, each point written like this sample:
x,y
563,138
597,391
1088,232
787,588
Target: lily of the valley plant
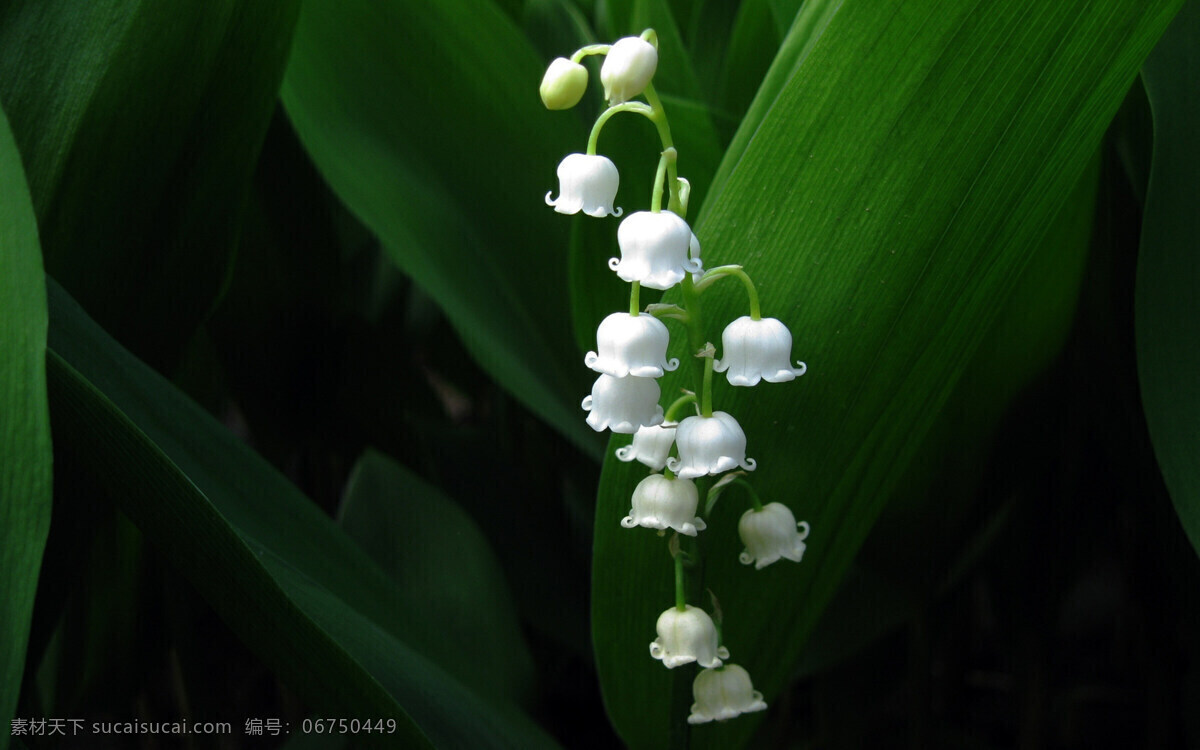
x,y
687,439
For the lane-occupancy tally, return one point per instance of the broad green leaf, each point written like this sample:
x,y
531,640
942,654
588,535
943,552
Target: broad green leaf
x,y
710,32
443,567
293,586
753,41
907,559
674,72
556,28
614,19
803,34
91,599
141,123
1167,306
887,204
423,118
1133,138
25,454
785,12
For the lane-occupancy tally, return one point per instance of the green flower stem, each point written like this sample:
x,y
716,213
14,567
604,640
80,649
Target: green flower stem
x,y
680,597
591,49
672,416
695,328
711,276
667,157
660,310
754,498
706,401
659,118
673,409
604,117
634,305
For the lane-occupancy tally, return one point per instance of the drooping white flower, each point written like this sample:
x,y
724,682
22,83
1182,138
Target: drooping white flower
x,y
686,636
563,85
631,345
588,183
709,445
623,404
723,693
757,350
770,534
651,446
654,249
661,502
628,67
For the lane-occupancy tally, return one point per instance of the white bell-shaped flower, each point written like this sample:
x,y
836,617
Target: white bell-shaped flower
x,y
723,693
631,345
654,249
628,67
661,502
588,183
709,445
686,636
563,85
651,446
757,350
771,533
623,404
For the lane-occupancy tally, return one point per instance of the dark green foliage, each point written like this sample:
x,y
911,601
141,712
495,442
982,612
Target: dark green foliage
x,y
310,348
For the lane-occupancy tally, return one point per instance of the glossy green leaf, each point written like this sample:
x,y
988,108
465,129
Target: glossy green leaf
x,y
803,33
674,72
785,12
710,32
908,558
293,586
25,474
1167,305
141,123
887,203
555,28
94,563
422,117
444,568
753,42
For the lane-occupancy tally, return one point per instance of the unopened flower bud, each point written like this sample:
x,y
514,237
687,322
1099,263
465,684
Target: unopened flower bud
x,y
628,67
563,85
